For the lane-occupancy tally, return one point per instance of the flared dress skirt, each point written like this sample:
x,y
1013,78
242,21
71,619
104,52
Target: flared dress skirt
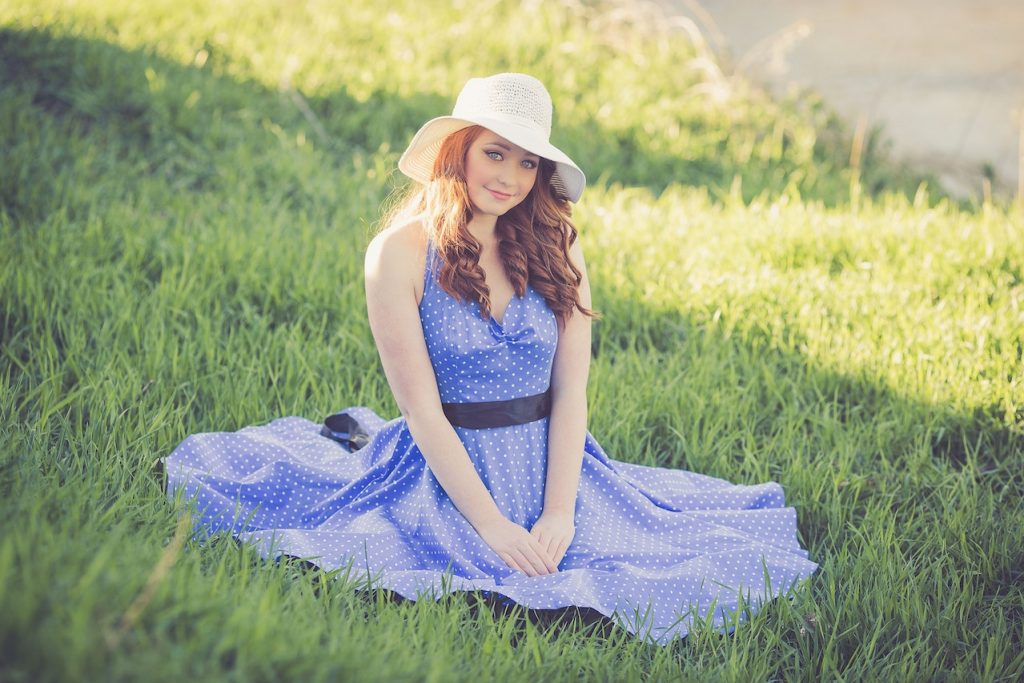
x,y
654,548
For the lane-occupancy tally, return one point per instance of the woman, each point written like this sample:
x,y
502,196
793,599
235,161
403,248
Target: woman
x,y
479,303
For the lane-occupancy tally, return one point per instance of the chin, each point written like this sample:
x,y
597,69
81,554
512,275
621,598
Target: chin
x,y
494,210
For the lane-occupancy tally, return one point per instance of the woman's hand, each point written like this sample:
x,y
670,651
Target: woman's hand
x,y
518,548
554,531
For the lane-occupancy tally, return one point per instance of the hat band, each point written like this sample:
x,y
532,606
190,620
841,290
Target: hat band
x,y
488,121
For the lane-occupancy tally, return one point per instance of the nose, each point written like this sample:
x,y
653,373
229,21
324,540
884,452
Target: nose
x,y
513,176
503,179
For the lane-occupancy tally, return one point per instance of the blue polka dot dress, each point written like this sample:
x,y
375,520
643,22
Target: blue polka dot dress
x,y
654,547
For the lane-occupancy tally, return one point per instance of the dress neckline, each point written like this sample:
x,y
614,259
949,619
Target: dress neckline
x,y
430,273
504,314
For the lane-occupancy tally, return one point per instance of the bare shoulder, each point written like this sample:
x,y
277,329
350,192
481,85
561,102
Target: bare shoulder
x,y
576,257
395,258
576,254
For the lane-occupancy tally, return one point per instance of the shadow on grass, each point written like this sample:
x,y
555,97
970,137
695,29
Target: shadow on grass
x,y
182,119
954,435
582,620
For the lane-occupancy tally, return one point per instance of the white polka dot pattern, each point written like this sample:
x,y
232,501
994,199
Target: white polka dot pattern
x,y
654,547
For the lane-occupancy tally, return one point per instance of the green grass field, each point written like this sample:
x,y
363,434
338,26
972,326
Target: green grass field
x,y
186,192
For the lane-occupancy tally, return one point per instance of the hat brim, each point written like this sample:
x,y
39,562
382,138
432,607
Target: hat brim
x,y
417,161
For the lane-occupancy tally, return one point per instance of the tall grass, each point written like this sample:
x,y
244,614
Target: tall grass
x,y
180,251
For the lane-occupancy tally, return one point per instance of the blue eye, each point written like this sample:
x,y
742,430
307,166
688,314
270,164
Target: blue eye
x,y
494,155
529,163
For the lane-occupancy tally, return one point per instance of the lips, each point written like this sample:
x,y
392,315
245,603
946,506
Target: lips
x,y
498,195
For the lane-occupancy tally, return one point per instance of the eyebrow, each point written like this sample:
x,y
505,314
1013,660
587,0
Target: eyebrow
x,y
507,148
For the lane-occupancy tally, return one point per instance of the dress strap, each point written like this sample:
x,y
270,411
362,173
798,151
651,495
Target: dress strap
x,y
429,265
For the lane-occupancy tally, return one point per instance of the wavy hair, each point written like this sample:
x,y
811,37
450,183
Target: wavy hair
x,y
533,237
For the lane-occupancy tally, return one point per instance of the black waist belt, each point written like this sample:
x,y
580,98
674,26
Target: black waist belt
x,y
488,414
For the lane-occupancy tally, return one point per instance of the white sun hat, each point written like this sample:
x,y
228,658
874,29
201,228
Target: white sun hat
x,y
515,106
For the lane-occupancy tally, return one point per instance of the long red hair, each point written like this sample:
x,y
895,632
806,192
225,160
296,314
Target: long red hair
x,y
533,238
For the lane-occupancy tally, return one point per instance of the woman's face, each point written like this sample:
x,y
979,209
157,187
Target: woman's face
x,y
499,174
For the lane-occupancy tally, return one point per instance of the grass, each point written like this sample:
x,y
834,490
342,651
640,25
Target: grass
x,y
181,248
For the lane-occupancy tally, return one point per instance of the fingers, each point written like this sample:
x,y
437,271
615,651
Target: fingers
x,y
547,544
543,550
552,548
532,554
550,566
559,552
536,561
530,566
517,561
532,561
543,562
507,559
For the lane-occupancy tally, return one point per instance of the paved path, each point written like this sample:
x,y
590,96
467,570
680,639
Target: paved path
x,y
945,78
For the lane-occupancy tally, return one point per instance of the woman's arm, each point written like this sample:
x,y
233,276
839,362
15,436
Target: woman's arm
x,y
567,426
568,423
390,277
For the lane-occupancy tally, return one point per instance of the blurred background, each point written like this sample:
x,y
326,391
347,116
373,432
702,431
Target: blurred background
x,y
944,78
